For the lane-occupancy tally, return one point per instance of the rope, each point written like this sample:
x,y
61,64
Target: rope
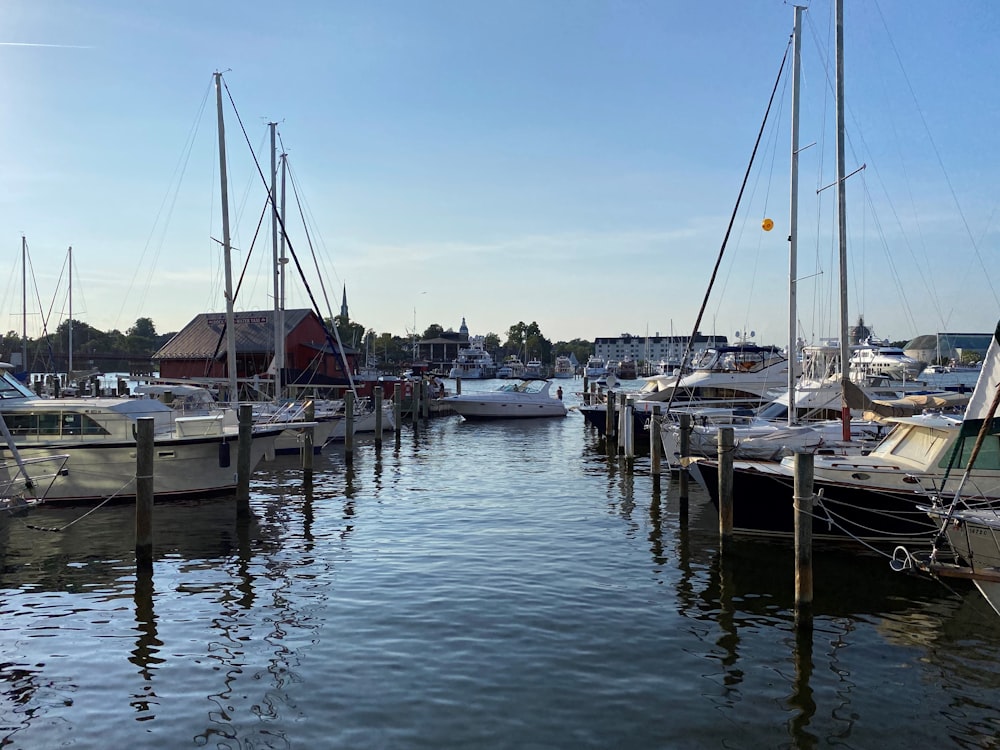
x,y
97,507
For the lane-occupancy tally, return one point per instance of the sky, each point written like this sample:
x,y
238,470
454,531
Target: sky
x,y
574,163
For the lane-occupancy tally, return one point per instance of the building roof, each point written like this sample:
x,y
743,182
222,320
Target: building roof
x,y
964,341
205,336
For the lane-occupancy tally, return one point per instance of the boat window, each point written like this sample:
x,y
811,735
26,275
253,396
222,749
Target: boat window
x,y
67,423
989,453
48,424
917,445
22,424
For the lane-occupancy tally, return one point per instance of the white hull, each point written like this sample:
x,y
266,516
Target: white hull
x,y
365,423
291,440
524,401
181,467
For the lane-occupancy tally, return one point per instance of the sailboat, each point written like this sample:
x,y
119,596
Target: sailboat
x,y
967,542
762,490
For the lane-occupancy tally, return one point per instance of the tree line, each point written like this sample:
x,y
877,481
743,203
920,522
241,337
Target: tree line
x,y
115,351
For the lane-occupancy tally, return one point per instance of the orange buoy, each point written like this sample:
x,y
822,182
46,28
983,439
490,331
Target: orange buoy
x,y
767,225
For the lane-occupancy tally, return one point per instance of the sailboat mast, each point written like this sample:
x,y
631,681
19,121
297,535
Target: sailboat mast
x,y
227,250
793,214
24,304
279,333
282,261
69,363
845,344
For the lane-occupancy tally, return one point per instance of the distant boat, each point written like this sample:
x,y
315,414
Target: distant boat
x,y
512,367
878,357
534,369
595,368
526,400
473,363
563,367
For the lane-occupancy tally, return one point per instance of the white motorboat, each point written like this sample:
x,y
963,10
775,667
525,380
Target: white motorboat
x,y
595,368
739,376
195,400
512,367
194,455
563,367
878,357
528,399
473,363
534,369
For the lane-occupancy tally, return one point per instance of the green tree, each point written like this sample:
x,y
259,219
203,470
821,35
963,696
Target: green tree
x,y
434,330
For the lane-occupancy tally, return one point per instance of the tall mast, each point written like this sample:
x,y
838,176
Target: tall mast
x,y
845,345
279,330
69,363
282,260
227,249
793,215
24,304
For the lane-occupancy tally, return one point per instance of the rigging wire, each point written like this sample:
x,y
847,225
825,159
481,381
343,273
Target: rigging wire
x,y
729,228
180,168
298,265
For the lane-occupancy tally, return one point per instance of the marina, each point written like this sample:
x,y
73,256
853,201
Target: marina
x,y
488,584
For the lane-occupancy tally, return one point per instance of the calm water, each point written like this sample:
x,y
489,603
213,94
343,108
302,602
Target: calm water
x,y
485,585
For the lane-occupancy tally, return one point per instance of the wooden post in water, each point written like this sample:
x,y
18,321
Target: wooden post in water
x,y
378,417
654,441
685,476
622,400
397,406
349,428
415,402
425,398
458,386
586,395
309,438
144,493
802,498
628,432
609,423
243,461
726,439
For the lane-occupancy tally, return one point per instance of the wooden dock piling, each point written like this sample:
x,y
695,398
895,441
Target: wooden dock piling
x,y
309,438
397,406
726,440
655,449
349,428
243,461
802,500
144,493
378,416
684,475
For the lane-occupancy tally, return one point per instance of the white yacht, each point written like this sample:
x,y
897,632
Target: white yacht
x,y
528,399
563,367
194,455
595,368
878,357
473,363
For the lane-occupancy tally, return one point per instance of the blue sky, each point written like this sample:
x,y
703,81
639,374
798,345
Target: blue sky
x,y
569,163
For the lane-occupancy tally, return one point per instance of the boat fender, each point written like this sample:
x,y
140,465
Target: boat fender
x,y
407,390
224,458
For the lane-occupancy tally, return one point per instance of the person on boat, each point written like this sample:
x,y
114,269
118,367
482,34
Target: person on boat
x,y
559,393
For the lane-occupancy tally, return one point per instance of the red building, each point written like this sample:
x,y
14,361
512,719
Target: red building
x,y
198,351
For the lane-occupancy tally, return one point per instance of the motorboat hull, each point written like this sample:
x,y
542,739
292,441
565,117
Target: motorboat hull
x,y
763,505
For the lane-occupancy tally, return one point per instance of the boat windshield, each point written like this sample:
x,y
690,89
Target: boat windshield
x,y
11,387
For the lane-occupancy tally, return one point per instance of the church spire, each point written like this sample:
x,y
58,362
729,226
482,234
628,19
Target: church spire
x,y
343,305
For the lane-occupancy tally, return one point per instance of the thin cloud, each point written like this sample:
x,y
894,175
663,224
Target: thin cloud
x,y
37,44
